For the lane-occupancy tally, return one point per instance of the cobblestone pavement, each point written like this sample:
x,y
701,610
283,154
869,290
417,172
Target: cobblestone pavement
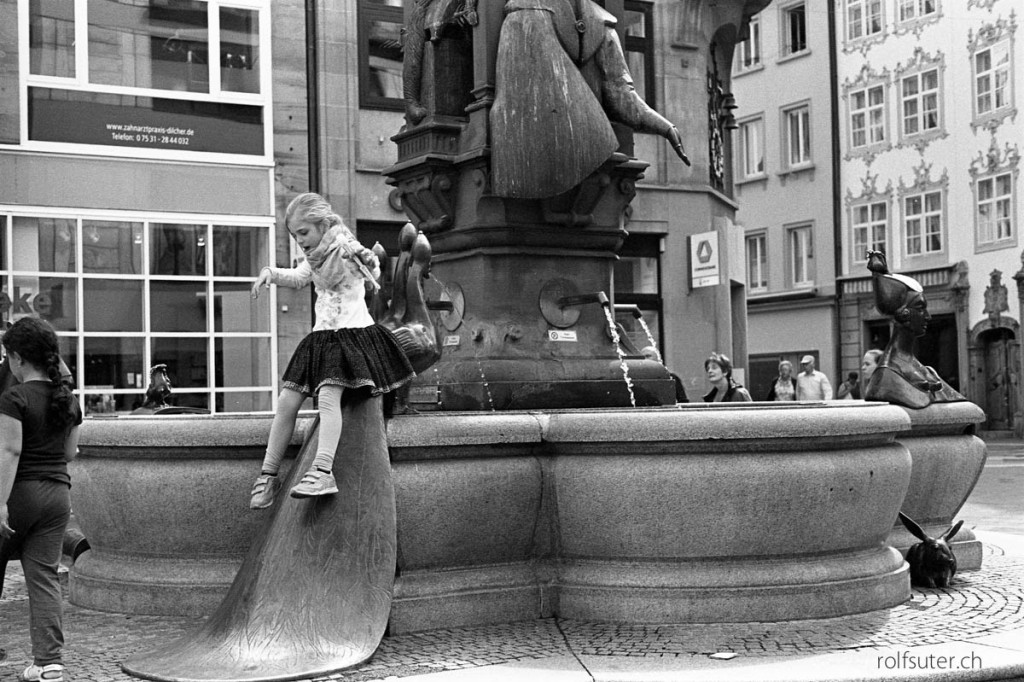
x,y
988,601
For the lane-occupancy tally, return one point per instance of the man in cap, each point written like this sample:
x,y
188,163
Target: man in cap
x,y
810,383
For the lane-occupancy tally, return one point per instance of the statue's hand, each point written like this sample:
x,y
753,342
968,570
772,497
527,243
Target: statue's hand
x,y
676,140
414,113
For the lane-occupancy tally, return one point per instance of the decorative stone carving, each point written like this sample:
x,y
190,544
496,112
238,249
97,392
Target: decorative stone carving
x,y
995,159
996,296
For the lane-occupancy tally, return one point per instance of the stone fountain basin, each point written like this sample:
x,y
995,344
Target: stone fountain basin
x,y
702,513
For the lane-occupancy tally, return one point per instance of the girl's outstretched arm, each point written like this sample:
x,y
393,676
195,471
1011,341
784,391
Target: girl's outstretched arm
x,y
296,277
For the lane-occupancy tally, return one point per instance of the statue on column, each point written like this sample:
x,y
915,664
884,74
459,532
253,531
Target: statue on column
x,y
900,378
561,80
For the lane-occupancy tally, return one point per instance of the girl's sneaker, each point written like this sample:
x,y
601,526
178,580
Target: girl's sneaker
x,y
46,673
264,490
315,482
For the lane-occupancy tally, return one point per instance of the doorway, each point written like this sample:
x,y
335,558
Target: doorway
x,y
998,373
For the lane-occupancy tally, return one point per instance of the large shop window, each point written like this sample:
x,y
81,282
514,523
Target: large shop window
x,y
127,294
172,75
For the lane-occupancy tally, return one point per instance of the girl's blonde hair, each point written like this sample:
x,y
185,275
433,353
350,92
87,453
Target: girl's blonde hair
x,y
313,208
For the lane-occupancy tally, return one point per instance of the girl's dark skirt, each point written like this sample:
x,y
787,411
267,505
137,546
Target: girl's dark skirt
x,y
367,359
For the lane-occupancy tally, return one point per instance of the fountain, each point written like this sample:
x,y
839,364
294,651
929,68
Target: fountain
x,y
537,488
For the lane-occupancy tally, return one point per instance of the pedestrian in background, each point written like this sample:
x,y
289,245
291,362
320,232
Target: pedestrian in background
x,y
724,388
867,367
810,383
784,386
849,389
39,418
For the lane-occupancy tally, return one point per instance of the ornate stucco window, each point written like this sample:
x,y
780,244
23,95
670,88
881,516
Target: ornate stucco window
x,y
994,177
992,73
869,216
922,205
864,24
868,114
919,83
913,15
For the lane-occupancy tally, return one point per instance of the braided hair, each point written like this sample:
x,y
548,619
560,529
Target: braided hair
x,y
36,342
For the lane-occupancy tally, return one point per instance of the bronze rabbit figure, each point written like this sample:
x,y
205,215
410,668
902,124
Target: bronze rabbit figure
x,y
932,562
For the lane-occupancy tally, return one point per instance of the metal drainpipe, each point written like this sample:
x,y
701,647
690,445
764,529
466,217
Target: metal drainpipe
x,y
312,118
312,97
837,213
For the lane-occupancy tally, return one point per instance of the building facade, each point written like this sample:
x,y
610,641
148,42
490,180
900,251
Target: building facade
x,y
930,138
783,160
148,149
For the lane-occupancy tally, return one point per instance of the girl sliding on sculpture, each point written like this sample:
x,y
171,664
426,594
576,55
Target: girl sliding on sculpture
x,y
347,356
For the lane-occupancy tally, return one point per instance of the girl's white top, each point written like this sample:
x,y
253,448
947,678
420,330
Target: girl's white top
x,y
339,284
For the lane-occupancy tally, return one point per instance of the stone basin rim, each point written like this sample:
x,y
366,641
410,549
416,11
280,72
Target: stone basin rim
x,y
763,422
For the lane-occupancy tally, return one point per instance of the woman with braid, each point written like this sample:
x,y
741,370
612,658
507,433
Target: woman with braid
x,y
39,418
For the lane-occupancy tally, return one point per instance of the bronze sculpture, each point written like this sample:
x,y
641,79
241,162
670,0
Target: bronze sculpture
x,y
561,81
900,377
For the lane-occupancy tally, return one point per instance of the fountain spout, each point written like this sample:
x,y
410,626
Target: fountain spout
x,y
583,299
630,308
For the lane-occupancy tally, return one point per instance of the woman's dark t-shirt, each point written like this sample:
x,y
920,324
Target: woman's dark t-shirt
x,y
42,445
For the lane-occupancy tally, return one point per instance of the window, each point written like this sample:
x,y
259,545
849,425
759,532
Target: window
x,y
748,53
910,10
995,208
920,102
922,223
797,136
180,77
794,29
638,283
867,116
992,79
801,256
380,54
751,148
863,18
870,224
125,293
639,47
757,263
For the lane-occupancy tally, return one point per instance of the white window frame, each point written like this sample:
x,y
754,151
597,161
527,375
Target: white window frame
x,y
746,167
870,14
868,118
800,255
919,100
786,49
999,229
80,82
924,223
757,262
748,52
79,216
799,113
915,10
864,234
1000,95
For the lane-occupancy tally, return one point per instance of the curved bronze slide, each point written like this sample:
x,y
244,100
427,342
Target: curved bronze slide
x,y
314,593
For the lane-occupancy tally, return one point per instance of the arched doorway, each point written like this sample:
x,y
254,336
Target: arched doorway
x,y
995,369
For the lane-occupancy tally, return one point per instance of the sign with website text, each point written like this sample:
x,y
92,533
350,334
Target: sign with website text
x,y
149,122
705,263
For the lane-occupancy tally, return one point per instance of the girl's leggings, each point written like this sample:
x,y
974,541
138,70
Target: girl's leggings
x,y
329,408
